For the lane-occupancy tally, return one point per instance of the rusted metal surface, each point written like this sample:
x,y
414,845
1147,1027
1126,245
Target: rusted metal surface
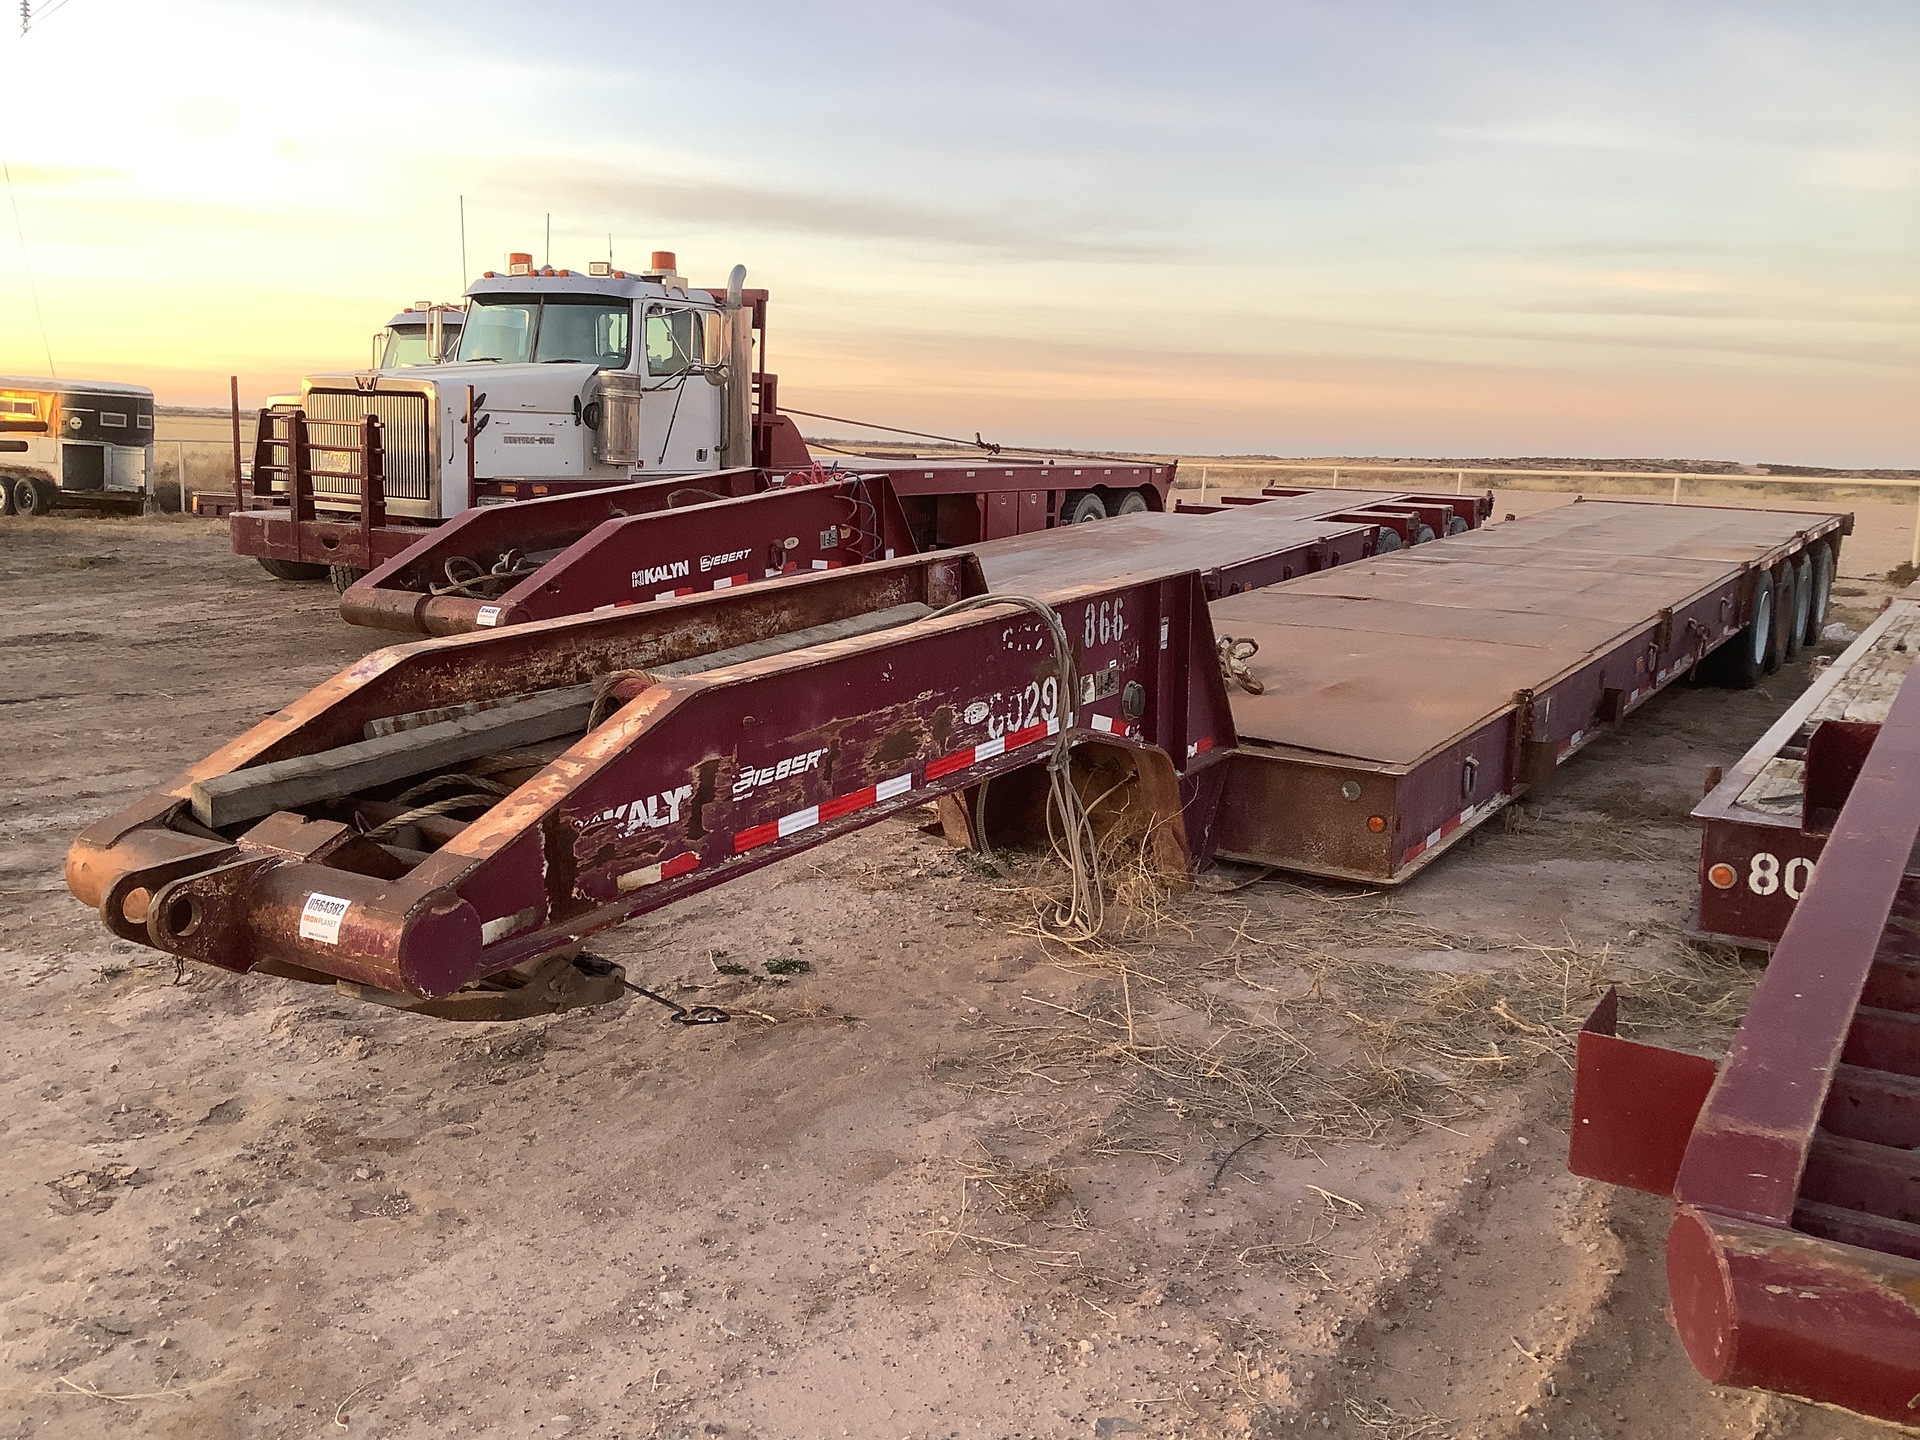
x,y
1764,825
1794,1260
1407,698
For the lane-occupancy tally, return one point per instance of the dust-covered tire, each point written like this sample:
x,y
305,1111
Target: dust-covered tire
x,y
1821,593
1745,665
6,493
1386,539
1796,615
1783,588
343,576
32,495
1423,535
1132,503
291,569
1457,526
1081,507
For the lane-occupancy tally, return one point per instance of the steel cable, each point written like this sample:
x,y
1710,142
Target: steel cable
x,y
1083,914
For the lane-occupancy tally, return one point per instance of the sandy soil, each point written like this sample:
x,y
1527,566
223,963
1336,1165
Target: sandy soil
x,y
1284,1161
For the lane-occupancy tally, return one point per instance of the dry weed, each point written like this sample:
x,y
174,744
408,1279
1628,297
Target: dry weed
x,y
1319,1015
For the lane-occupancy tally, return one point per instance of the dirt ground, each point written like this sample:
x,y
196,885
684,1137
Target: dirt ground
x,y
1282,1161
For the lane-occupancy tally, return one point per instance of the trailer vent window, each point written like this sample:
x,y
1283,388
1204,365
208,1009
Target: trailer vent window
x,y
146,422
16,407
113,421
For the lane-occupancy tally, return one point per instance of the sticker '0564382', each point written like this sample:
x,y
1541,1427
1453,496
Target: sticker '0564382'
x,y
321,918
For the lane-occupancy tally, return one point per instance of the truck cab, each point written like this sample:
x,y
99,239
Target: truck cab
x,y
559,379
421,334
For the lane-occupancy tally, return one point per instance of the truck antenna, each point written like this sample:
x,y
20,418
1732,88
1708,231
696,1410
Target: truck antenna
x,y
548,262
463,245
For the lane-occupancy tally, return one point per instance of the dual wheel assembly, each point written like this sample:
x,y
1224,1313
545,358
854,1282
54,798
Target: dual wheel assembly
x,y
1788,610
26,494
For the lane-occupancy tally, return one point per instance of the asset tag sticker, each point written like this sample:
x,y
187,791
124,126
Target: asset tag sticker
x,y
489,615
321,919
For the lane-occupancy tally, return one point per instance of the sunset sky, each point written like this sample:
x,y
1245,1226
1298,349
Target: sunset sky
x,y
1679,229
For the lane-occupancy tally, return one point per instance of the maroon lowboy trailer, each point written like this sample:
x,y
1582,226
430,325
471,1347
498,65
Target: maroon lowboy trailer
x,y
1794,1165
447,820
1764,825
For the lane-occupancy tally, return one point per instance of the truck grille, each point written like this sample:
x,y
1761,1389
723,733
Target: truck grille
x,y
333,418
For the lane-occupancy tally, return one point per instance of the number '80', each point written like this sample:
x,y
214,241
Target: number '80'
x,y
1766,874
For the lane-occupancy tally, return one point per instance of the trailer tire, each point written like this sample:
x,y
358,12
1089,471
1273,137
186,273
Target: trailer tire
x,y
1423,535
1796,615
1744,658
33,496
1783,588
1821,593
6,493
1457,526
1386,539
1132,503
1082,506
291,569
343,576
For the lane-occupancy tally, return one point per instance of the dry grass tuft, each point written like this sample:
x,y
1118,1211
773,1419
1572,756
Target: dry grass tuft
x,y
1026,1194
1380,1419
1304,1015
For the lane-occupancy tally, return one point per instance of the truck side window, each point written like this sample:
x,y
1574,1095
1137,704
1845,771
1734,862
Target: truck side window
x,y
675,342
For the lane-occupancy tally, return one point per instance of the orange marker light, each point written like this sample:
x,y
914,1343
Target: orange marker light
x,y
1376,823
1721,876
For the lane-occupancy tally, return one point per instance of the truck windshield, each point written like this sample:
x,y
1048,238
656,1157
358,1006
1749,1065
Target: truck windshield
x,y
406,345
541,329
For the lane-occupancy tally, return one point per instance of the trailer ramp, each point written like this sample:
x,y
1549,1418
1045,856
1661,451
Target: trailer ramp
x,y
1794,1165
1765,823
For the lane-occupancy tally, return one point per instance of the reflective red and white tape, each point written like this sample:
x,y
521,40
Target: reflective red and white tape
x,y
757,835
1450,827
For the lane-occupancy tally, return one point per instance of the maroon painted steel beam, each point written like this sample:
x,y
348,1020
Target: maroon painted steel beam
x,y
1794,1260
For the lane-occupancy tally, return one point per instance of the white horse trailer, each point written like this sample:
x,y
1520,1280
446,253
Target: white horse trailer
x,y
79,442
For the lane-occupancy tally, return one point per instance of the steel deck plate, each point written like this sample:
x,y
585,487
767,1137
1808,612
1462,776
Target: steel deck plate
x,y
1390,659
1067,558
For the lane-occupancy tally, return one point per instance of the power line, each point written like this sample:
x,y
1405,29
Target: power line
x,y
28,19
26,264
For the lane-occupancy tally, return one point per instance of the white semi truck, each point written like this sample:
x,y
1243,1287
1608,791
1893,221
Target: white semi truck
x,y
567,381
560,380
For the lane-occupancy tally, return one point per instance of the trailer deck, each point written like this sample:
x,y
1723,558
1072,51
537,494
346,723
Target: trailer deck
x,y
1764,825
614,762
1424,689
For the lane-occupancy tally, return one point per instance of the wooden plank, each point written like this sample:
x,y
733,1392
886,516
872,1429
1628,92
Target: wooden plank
x,y
415,719
282,784
425,740
867,624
